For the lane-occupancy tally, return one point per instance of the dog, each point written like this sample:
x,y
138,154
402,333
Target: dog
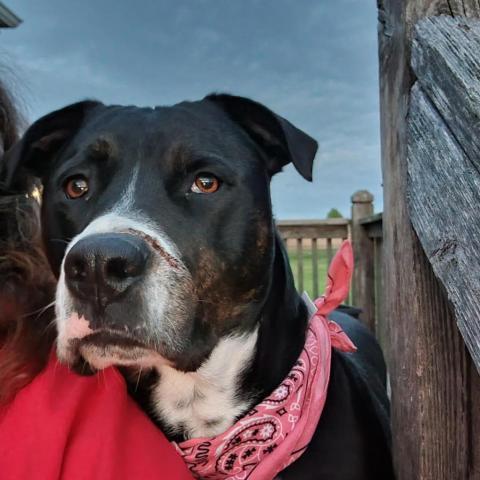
x,y
158,225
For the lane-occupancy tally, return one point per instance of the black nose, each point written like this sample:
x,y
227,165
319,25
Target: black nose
x,y
101,267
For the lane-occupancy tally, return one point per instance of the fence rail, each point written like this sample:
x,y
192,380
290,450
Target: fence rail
x,y
311,245
373,251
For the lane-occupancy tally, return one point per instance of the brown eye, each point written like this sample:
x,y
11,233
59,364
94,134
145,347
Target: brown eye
x,y
205,183
75,187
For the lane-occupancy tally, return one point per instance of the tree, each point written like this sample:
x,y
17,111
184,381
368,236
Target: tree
x,y
334,213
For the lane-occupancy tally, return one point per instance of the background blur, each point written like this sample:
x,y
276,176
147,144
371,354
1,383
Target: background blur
x,y
312,61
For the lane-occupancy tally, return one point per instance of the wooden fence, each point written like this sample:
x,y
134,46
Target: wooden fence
x,y
369,260
312,243
314,237
417,265
429,57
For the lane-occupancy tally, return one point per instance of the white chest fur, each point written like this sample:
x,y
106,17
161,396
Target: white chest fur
x,y
205,403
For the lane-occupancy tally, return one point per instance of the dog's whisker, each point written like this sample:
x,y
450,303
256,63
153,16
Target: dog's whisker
x,y
40,310
59,240
138,379
49,325
57,363
117,375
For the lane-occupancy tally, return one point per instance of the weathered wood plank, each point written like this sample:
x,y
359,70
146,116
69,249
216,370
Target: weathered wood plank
x,y
300,265
376,217
329,250
314,223
380,323
446,61
315,268
363,285
432,394
444,201
319,231
373,225
328,228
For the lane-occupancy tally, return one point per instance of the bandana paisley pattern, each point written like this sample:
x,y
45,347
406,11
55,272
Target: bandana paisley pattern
x,y
277,431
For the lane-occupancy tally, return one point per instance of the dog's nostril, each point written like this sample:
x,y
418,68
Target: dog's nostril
x,y
121,268
78,270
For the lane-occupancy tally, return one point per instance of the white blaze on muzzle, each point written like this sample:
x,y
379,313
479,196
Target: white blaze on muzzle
x,y
161,310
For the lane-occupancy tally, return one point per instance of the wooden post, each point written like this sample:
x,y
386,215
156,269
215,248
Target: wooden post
x,y
300,264
363,288
435,391
315,267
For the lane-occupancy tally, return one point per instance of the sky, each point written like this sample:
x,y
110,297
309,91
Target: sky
x,y
312,61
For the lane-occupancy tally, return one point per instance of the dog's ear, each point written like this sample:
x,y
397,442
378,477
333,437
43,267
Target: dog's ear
x,y
278,138
31,156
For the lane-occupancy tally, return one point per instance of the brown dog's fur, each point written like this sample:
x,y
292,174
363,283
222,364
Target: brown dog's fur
x,y
26,283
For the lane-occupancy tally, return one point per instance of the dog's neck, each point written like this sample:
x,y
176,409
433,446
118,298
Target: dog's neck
x,y
241,370
281,334
205,402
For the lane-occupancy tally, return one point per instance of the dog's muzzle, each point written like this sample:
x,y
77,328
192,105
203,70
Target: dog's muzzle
x,y
123,297
101,268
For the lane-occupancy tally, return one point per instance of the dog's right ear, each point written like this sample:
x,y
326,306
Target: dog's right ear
x,y
32,155
282,142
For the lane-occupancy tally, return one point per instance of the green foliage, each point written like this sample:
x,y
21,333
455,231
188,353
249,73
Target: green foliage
x,y
334,213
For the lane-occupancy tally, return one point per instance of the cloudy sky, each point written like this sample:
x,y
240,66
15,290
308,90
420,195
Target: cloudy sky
x,y
312,61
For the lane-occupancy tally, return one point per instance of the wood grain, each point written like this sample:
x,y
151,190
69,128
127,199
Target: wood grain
x,y
363,285
329,228
434,392
316,292
444,200
300,264
446,62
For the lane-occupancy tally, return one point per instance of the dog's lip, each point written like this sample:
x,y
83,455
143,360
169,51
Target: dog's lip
x,y
127,350
106,337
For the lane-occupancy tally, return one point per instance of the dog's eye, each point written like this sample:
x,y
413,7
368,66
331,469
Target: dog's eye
x,y
75,187
205,183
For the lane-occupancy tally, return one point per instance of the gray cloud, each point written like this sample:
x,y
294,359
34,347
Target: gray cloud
x,y
314,62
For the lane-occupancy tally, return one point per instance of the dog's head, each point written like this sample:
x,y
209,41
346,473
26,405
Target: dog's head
x,y
157,223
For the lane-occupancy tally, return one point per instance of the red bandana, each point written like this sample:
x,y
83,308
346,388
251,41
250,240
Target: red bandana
x,y
277,431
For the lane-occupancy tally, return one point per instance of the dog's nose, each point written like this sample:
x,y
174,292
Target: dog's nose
x,y
101,267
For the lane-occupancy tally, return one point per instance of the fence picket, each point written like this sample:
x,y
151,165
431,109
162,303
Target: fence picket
x,y
300,263
329,250
319,239
315,267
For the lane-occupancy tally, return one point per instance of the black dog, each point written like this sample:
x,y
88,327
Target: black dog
x,y
158,225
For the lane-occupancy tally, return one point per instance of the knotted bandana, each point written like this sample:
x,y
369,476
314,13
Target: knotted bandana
x,y
278,430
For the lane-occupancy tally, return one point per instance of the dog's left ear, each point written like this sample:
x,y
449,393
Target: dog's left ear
x,y
278,138
32,155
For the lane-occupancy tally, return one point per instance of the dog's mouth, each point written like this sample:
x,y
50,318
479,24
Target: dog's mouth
x,y
105,348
